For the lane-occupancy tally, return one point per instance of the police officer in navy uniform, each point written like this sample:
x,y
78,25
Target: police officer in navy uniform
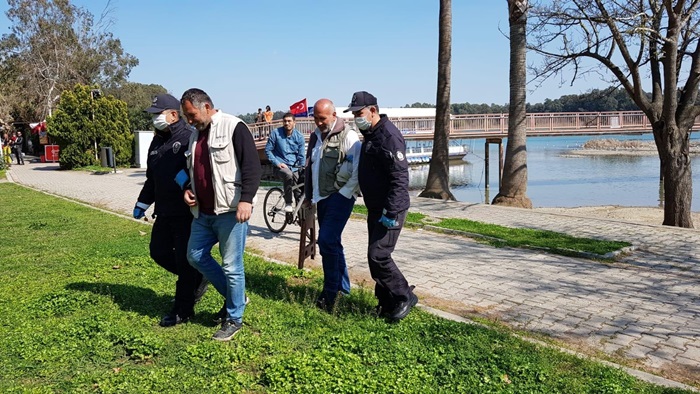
x,y
383,178
171,230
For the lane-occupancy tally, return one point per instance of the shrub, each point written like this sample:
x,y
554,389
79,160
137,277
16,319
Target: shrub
x,y
85,121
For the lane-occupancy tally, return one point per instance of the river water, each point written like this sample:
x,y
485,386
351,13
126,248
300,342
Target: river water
x,y
556,180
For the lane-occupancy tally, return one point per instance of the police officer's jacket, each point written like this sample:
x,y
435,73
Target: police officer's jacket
x,y
166,157
383,169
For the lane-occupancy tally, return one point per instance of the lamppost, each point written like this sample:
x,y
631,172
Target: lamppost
x,y
94,95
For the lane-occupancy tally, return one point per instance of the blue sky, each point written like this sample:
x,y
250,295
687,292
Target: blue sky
x,y
248,54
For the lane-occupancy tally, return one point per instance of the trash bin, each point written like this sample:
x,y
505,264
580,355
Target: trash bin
x,y
106,157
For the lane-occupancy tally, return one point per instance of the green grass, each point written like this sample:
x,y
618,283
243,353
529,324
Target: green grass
x,y
80,302
499,236
96,169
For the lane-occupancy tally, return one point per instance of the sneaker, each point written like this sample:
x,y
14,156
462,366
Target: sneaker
x,y
228,329
288,208
174,318
201,290
221,314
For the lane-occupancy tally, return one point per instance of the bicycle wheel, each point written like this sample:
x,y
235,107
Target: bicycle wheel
x,y
275,217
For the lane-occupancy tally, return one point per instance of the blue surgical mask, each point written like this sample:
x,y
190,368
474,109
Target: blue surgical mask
x,y
160,123
362,123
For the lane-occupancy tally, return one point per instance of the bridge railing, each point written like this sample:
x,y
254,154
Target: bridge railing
x,y
497,124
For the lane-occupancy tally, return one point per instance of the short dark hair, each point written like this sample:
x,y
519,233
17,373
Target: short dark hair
x,y
197,97
288,115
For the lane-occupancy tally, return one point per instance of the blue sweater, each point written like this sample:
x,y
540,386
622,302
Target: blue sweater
x,y
287,150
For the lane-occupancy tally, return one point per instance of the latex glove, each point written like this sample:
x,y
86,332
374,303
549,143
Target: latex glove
x,y
140,210
388,223
182,179
139,213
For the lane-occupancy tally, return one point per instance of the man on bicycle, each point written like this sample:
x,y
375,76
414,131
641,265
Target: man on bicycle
x,y
285,150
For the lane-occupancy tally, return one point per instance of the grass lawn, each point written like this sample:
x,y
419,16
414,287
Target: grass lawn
x,y
80,302
499,236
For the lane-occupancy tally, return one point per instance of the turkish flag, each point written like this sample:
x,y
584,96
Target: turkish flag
x,y
299,108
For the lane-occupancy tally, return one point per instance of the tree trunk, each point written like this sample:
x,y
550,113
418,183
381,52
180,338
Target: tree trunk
x,y
438,183
513,185
674,152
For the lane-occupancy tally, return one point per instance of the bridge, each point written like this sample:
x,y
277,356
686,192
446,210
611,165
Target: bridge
x,y
496,125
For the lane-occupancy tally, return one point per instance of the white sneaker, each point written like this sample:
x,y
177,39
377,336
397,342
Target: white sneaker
x,y
289,208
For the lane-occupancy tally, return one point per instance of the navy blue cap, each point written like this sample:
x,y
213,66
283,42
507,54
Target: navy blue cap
x,y
360,100
162,102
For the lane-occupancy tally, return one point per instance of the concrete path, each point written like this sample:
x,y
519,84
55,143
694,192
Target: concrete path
x,y
644,308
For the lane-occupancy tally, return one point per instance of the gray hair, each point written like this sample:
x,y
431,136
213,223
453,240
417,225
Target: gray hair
x,y
197,97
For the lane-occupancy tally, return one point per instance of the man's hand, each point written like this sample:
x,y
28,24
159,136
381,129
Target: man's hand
x,y
189,198
139,213
388,223
140,210
243,211
282,165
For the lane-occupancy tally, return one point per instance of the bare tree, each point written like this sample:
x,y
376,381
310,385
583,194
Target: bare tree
x,y
633,43
513,186
438,182
52,45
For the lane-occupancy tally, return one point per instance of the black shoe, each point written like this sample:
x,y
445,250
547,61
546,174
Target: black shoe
x,y
228,329
221,314
201,290
174,318
403,308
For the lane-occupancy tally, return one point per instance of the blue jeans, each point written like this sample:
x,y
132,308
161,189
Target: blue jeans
x,y
333,213
228,277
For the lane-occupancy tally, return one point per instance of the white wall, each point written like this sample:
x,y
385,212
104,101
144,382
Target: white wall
x,y
143,141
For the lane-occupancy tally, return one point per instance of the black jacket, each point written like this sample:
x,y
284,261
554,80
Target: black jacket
x,y
383,169
166,157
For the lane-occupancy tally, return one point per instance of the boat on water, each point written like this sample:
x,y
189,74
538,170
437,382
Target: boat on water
x,y
421,151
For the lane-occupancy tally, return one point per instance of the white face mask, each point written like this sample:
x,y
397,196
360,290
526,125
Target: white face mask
x,y
159,122
362,123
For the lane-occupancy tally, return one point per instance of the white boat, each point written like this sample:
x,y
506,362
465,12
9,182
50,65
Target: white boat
x,y
420,152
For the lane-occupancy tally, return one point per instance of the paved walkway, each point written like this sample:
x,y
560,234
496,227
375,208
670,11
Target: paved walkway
x,y
645,307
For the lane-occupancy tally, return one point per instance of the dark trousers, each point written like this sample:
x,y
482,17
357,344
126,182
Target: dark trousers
x,y
390,286
169,250
289,179
18,153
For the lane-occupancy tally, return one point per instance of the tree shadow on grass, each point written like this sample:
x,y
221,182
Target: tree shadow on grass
x,y
131,298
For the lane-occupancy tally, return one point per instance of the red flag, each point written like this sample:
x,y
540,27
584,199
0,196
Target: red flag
x,y
299,108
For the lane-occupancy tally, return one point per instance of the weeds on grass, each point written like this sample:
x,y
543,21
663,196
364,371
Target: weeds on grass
x,y
80,302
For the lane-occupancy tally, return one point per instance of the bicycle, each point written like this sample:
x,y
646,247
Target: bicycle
x,y
276,219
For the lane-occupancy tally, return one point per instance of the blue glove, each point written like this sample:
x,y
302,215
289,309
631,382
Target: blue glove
x,y
139,213
182,179
388,223
140,210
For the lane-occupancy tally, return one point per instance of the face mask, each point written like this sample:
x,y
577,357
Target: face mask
x,y
362,123
159,122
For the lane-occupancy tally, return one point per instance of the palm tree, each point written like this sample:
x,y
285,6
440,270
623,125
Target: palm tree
x,y
513,186
438,183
